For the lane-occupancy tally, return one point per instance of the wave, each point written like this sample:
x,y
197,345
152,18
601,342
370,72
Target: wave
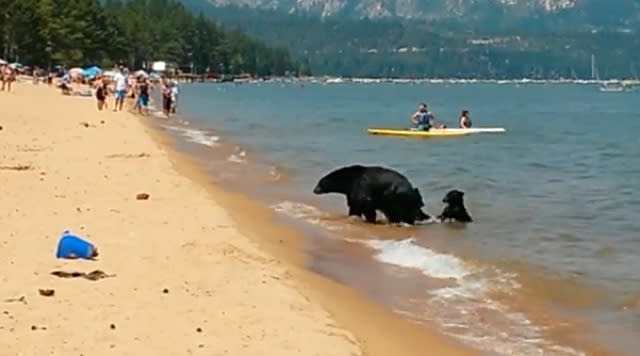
x,y
461,310
194,135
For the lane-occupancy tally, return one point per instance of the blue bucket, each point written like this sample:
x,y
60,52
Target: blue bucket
x,y
71,246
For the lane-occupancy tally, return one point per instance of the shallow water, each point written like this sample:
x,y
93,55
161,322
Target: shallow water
x,y
550,264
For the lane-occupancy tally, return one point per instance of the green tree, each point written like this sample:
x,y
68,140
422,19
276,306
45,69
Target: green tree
x,y
132,32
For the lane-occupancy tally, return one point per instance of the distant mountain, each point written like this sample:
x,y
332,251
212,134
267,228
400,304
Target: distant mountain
x,y
476,14
445,38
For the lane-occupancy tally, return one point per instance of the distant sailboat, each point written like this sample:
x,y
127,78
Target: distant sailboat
x,y
614,86
611,86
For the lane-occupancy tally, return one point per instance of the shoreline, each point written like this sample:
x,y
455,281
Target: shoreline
x,y
327,316
348,306
331,79
222,145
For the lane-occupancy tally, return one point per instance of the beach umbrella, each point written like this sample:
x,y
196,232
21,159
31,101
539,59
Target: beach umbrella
x,y
91,72
141,73
75,72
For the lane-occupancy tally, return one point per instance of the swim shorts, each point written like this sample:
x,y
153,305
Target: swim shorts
x,y
143,101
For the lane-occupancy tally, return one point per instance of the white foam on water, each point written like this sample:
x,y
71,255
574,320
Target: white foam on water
x,y
467,303
194,136
308,213
401,253
240,156
236,159
200,137
460,311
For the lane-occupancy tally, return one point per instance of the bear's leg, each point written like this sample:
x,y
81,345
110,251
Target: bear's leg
x,y
360,202
390,214
422,216
370,215
446,213
408,220
354,207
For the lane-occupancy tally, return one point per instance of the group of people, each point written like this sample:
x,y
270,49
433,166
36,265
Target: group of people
x,y
138,88
102,91
424,120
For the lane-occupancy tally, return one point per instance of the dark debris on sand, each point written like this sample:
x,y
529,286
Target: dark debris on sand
x,y
92,276
46,292
142,196
19,167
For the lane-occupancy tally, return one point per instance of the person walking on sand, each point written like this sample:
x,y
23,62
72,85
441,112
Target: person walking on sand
x,y
120,90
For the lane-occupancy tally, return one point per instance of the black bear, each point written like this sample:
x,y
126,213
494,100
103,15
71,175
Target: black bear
x,y
371,188
455,209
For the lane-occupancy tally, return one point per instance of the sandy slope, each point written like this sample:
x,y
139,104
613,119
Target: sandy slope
x,y
187,280
86,179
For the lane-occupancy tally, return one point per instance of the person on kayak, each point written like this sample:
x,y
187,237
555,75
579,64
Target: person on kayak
x,y
422,119
464,121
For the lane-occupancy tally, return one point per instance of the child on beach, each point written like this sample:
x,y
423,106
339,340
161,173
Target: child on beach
x,y
101,93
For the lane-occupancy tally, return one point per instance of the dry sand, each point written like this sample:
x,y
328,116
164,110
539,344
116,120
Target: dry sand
x,y
186,277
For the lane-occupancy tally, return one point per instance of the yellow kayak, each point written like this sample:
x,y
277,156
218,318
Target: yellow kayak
x,y
416,133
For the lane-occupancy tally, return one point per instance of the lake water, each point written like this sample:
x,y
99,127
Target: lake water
x,y
550,265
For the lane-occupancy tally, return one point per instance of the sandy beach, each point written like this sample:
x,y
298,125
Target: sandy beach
x,y
192,270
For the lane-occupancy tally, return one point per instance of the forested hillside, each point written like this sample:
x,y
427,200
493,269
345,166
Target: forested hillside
x,y
92,32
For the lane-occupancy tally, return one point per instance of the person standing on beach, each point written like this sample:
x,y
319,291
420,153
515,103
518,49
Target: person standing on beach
x,y
8,76
174,96
2,66
101,93
166,97
121,89
143,96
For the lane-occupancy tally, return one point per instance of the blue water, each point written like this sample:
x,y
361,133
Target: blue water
x,y
554,199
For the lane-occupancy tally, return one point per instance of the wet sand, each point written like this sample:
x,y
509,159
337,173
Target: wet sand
x,y
194,269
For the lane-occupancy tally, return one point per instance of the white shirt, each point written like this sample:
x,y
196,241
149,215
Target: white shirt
x,y
174,91
121,82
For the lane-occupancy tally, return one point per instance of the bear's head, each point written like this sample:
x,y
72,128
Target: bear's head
x,y
418,204
455,209
454,197
418,197
409,204
339,181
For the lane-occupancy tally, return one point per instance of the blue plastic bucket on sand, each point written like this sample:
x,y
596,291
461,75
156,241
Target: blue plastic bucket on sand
x,y
71,246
